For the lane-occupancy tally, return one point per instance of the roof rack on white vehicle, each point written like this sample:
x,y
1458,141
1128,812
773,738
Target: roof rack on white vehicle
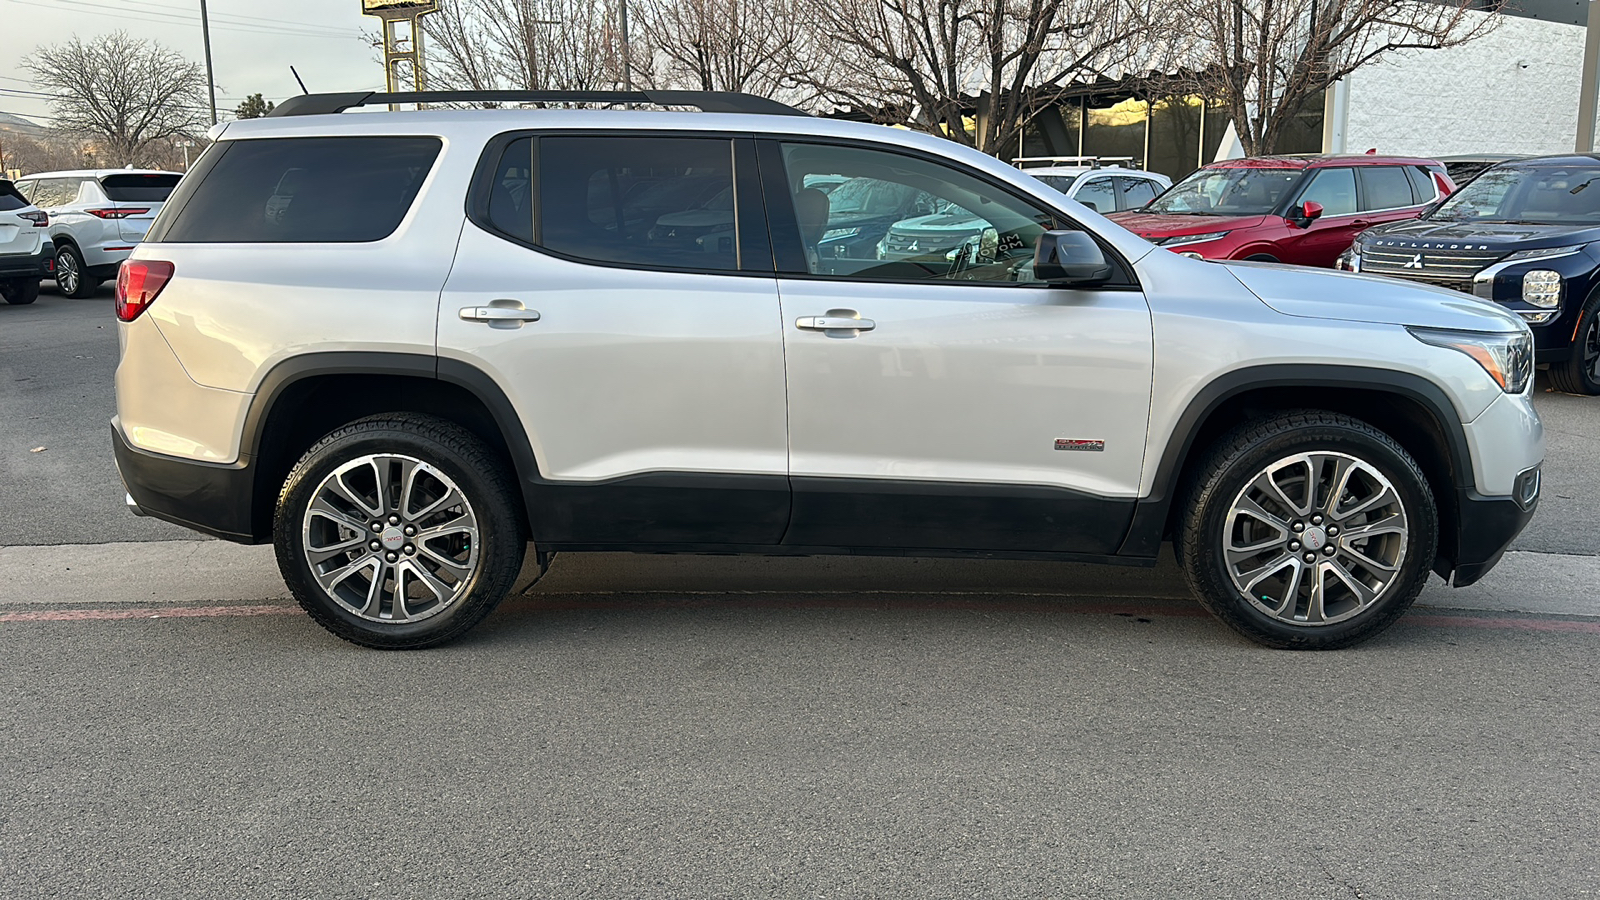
x,y
705,101
1093,162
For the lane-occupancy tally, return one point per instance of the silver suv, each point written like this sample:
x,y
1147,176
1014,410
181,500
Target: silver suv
x,y
96,218
403,346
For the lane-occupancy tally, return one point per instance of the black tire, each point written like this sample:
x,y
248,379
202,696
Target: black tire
x,y
491,503
1261,257
20,291
1215,518
1580,373
71,278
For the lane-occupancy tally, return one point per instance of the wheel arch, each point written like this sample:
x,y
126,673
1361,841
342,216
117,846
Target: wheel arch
x,y
302,399
1409,408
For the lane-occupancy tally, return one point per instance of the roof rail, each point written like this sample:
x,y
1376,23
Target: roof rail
x,y
1093,162
706,101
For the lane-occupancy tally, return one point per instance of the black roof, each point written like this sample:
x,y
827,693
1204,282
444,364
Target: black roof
x,y
706,101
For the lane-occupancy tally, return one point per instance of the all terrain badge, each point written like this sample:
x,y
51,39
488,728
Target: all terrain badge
x,y
1072,444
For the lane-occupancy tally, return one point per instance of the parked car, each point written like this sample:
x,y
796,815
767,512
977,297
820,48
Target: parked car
x,y
950,231
1101,183
25,252
1293,209
1464,167
97,216
424,360
1524,234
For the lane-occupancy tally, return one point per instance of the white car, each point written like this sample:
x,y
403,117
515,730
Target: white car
x,y
25,255
1101,183
405,346
97,217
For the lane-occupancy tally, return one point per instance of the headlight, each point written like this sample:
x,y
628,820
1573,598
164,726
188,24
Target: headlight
x,y
1542,288
1542,254
834,234
1507,357
1189,239
1348,261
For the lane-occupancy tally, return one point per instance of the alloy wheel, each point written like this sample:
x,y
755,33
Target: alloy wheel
x,y
67,274
1315,538
391,538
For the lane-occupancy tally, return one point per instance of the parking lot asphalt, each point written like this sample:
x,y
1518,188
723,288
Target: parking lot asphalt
x,y
638,726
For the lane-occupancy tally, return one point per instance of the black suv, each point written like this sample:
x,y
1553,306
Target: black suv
x,y
1525,234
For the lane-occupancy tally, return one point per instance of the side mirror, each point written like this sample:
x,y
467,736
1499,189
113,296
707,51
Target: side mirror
x,y
1070,259
1310,211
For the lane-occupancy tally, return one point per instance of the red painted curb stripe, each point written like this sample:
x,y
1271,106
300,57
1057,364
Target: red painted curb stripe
x,y
149,612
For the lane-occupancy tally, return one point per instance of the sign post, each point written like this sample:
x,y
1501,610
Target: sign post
x,y
402,39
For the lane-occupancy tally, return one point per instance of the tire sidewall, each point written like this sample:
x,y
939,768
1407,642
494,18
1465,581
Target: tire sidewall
x,y
1421,515
499,538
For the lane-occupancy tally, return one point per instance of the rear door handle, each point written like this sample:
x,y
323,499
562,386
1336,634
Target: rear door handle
x,y
498,314
836,320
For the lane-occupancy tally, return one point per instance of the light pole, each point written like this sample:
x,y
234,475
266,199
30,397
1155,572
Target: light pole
x,y
627,69
211,78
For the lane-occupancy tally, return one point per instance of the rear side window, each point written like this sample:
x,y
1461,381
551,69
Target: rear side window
x,y
1385,187
305,190
1421,184
647,201
144,188
10,198
1097,194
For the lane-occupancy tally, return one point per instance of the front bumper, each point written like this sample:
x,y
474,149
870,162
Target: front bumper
x,y
1485,527
211,498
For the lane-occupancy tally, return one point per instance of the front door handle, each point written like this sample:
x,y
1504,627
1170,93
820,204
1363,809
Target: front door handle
x,y
836,323
499,314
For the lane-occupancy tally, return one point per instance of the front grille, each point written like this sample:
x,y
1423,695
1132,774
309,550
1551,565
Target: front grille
x,y
1446,268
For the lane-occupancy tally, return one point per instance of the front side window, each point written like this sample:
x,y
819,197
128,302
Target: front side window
x,y
52,193
1136,192
1229,191
902,218
306,190
1098,194
662,202
1385,187
1335,189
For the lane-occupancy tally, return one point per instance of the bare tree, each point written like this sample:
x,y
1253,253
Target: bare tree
x,y
1003,59
123,93
755,46
522,44
1265,59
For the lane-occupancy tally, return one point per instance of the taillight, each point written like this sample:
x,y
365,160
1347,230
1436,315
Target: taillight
x,y
37,217
117,213
139,282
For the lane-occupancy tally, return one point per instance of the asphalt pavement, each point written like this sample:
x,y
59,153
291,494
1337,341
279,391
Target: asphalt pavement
x,y
637,726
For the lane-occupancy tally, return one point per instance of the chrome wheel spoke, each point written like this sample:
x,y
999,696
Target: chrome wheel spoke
x,y
432,582
1367,562
1392,524
337,485
1262,573
1386,494
1267,482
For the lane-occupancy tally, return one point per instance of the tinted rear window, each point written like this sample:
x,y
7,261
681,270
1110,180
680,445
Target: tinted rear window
x,y
139,188
9,198
312,190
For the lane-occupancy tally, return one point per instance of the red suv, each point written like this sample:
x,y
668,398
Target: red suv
x,y
1295,209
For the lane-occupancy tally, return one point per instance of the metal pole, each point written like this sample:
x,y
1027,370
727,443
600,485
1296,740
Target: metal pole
x,y
1586,95
211,78
627,69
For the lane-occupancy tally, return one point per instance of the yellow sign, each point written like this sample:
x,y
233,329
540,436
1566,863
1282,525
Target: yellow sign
x,y
419,6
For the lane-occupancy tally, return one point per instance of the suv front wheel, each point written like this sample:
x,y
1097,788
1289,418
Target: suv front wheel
x,y
399,532
1309,530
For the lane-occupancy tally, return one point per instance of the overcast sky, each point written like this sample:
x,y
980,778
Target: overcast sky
x,y
252,44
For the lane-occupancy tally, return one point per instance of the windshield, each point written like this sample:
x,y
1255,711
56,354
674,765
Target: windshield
x,y
1227,192
1059,182
1547,195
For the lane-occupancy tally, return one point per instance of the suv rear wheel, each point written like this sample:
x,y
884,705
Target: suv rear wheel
x,y
1309,530
71,279
399,532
